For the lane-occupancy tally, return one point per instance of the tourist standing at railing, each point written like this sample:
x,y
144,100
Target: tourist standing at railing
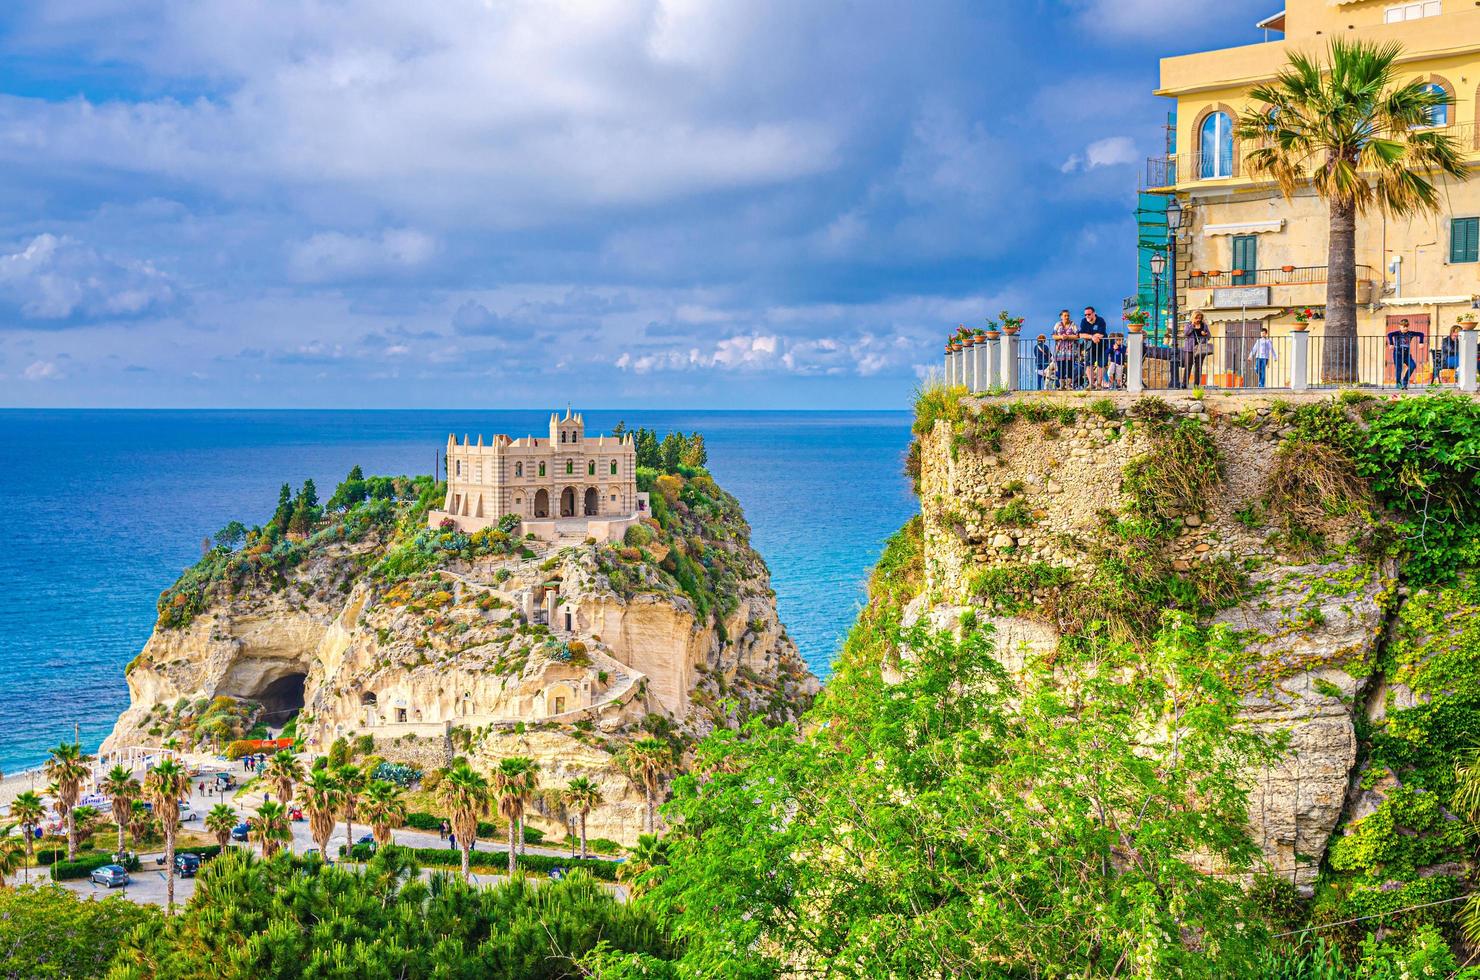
x,y
1042,361
1262,353
1401,341
1065,337
1450,352
1197,344
1115,369
1095,333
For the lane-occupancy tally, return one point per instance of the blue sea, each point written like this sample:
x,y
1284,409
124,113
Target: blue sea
x,y
103,509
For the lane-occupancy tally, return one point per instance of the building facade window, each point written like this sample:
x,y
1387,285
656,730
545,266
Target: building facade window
x,y
459,467
1246,258
591,467
614,467
1439,114
1464,240
1398,13
1215,146
570,467
542,469
518,469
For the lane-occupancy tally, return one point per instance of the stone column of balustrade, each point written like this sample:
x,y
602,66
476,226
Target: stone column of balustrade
x,y
1135,362
1299,360
1009,378
1467,347
968,364
981,365
993,356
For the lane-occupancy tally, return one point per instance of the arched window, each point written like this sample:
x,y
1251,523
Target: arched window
x,y
542,469
570,467
1439,114
614,467
562,437
459,467
591,467
1215,145
518,469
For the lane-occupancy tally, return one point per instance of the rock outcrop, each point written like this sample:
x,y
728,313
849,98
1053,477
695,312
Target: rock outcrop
x,y
1017,496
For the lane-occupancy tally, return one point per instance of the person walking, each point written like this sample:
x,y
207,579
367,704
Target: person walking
x,y
1401,341
1065,344
1261,354
1197,344
1042,359
1095,332
442,830
451,841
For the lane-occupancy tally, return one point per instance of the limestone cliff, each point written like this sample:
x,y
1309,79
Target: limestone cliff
x,y
1047,514
435,642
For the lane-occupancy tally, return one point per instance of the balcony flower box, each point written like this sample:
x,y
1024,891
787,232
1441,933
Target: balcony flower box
x,y
1287,268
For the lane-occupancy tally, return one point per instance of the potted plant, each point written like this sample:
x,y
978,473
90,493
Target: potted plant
x,y
1467,319
1287,268
1010,324
1136,320
1214,272
1303,318
1237,272
1196,273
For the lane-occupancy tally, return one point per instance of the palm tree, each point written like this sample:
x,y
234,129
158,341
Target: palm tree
x,y
465,793
122,788
13,857
352,781
637,872
220,821
513,783
321,796
647,762
168,783
28,811
68,770
270,828
1361,140
583,796
140,821
281,772
385,807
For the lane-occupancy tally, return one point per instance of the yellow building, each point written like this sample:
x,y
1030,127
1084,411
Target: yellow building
x,y
1246,256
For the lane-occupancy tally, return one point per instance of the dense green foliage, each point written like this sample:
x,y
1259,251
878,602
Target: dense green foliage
x,y
287,918
49,932
963,822
497,861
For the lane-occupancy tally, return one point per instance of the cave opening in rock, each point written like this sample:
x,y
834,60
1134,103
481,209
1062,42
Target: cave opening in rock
x,y
281,698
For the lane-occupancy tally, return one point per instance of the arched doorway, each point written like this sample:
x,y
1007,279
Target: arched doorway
x,y
542,503
593,502
568,502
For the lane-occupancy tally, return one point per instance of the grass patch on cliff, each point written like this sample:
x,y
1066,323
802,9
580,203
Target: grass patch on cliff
x,y
1179,473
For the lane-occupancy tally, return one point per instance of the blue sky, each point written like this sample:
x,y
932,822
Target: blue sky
x,y
686,203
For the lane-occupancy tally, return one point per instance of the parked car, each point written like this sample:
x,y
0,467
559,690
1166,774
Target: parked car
x,y
109,876
225,780
366,839
187,812
296,813
240,831
186,865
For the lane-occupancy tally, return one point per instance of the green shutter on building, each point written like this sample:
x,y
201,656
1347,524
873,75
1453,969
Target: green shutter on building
x,y
1245,257
1464,240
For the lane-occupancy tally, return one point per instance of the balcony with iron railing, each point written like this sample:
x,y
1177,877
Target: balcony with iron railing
x,y
1287,287
1287,275
1165,172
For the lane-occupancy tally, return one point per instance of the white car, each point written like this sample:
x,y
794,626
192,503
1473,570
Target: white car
x,y
187,812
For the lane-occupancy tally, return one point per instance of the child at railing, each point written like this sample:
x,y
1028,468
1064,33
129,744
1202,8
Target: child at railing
x,y
1115,368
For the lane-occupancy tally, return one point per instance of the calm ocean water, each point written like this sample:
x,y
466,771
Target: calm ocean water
x,y
100,511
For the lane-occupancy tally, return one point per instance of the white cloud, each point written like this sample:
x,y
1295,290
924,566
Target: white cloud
x,y
42,371
56,279
330,256
1109,152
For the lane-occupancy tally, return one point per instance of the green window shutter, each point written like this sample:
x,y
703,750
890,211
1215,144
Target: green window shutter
x,y
1246,257
1464,240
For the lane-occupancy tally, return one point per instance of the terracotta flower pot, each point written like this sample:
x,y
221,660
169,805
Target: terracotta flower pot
x,y
1135,327
1287,268
993,334
1196,273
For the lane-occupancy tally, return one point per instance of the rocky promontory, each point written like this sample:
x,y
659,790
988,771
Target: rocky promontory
x,y
355,619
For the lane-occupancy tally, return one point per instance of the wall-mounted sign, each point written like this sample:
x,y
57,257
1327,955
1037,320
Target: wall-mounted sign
x,y
1232,296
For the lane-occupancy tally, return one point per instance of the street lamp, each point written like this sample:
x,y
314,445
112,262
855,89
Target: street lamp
x,y
1174,224
1158,266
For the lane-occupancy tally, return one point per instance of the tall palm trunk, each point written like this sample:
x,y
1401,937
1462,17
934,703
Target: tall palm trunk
x,y
169,869
121,824
1339,353
512,853
652,808
71,833
583,835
